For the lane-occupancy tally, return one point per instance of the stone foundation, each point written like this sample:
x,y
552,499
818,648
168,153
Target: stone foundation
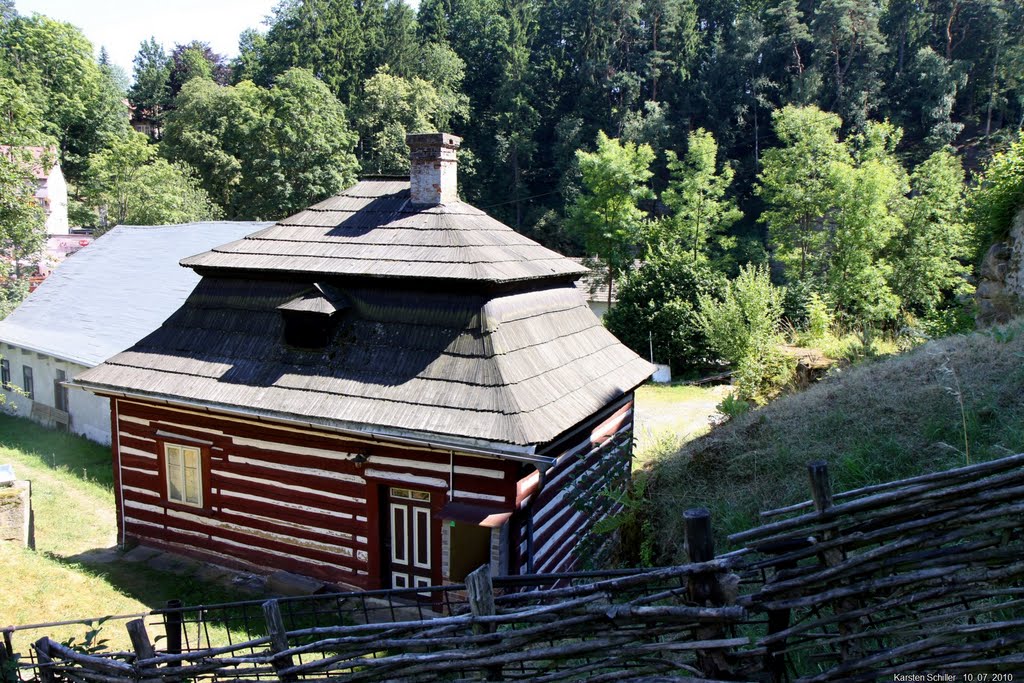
x,y
16,523
1001,283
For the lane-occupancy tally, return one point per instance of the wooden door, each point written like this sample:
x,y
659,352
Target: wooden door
x,y
411,538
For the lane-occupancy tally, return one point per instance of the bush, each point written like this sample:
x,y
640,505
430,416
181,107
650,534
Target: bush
x,y
744,328
733,407
657,304
999,195
819,318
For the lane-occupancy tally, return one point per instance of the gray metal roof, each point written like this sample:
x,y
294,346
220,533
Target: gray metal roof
x,y
373,230
114,292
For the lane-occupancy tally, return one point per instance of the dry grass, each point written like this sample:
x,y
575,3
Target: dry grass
x,y
874,422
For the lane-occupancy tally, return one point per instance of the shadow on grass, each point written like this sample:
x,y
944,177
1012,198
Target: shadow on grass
x,y
154,587
57,450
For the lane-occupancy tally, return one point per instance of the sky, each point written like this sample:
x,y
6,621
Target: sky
x,y
120,26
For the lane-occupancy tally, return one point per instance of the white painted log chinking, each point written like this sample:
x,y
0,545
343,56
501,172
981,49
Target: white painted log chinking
x,y
193,428
266,535
327,474
544,554
136,505
408,478
435,467
128,450
136,437
556,540
340,535
302,560
270,483
142,492
140,522
550,510
285,504
125,468
478,496
291,448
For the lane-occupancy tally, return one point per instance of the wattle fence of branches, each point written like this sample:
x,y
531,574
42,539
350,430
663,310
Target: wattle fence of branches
x,y
923,575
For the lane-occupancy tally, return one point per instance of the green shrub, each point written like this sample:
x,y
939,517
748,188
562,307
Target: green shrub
x,y
744,328
999,195
732,406
819,317
657,306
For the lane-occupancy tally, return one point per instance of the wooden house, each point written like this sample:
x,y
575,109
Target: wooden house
x,y
387,389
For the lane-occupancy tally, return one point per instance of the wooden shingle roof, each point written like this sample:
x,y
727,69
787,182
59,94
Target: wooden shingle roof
x,y
425,321
515,369
373,230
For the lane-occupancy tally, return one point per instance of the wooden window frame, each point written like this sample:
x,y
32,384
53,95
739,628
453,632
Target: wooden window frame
x,y
29,382
61,400
204,506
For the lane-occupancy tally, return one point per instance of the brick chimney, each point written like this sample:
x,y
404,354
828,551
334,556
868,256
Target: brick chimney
x,y
433,170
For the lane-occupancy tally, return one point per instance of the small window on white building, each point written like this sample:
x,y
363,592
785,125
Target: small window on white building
x,y
183,465
5,374
60,392
30,386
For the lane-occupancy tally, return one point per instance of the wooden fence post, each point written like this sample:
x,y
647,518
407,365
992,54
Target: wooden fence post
x,y
821,493
141,644
278,637
8,665
44,662
704,589
173,629
480,590
700,547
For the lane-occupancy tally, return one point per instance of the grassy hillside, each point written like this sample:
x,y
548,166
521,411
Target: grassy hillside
x,y
73,501
947,403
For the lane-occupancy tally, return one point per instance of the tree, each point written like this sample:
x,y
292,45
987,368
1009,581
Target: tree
x,y
151,73
847,32
259,152
743,327
306,152
934,240
440,66
860,225
391,107
248,65
657,309
22,231
214,129
80,104
696,196
606,213
195,60
323,36
998,195
798,183
137,187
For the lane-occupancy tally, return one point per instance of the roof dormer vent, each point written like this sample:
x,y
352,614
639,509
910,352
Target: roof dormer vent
x,y
311,318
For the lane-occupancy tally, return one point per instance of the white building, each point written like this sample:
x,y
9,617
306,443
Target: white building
x,y
94,306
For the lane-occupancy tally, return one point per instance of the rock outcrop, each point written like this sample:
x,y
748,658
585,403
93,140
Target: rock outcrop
x,y
1000,293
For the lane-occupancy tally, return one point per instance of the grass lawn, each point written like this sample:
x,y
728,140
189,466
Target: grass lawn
x,y
670,415
73,501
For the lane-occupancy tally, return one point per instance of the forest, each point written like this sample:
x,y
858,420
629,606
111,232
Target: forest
x,y
856,155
